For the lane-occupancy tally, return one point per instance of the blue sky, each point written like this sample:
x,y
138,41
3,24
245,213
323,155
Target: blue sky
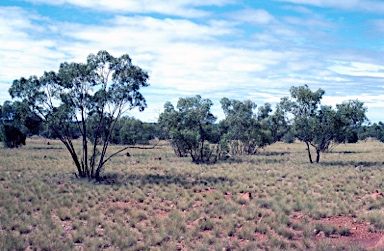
x,y
216,48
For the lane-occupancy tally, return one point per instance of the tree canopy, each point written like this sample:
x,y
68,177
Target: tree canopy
x,y
17,122
321,126
244,131
190,128
104,88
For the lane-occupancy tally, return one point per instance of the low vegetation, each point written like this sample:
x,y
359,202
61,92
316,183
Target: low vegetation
x,y
153,200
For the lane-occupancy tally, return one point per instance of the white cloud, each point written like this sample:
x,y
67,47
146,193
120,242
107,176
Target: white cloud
x,y
253,16
309,22
370,101
359,5
358,69
180,55
24,51
299,9
185,57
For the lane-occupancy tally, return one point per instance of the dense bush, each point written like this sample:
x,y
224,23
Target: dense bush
x,y
17,122
12,137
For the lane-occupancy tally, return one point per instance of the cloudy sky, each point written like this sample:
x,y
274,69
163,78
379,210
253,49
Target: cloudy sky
x,y
240,49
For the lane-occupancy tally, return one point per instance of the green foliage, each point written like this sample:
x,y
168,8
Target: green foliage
x,y
375,130
12,136
278,125
322,127
130,131
16,122
190,129
289,137
243,131
126,131
8,241
192,132
98,92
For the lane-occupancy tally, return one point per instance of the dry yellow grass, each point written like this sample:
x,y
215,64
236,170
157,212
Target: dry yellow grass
x,y
270,201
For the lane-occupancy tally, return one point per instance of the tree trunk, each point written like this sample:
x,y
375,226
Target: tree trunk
x,y
193,156
202,151
85,144
309,153
71,149
75,159
317,156
101,162
85,156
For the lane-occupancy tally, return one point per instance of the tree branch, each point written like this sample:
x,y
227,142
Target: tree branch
x,y
129,147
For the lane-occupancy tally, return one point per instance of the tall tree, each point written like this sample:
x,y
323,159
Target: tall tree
x,y
190,128
280,128
104,87
245,132
321,126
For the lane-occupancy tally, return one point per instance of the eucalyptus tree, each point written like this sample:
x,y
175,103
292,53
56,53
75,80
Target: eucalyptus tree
x,y
321,127
16,123
190,128
244,131
105,87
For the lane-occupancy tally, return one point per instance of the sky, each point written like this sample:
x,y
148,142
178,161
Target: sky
x,y
240,49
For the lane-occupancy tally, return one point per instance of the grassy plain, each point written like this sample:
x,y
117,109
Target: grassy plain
x,y
275,200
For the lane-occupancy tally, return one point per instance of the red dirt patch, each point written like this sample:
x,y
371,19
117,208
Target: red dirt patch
x,y
195,222
247,196
227,195
121,204
358,231
375,195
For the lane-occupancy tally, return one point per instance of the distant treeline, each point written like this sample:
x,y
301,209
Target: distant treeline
x,y
17,123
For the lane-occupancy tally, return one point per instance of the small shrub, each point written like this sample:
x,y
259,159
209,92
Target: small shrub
x,y
247,232
261,228
10,242
377,219
63,214
278,243
206,224
345,231
296,226
78,237
329,230
12,136
286,233
324,246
